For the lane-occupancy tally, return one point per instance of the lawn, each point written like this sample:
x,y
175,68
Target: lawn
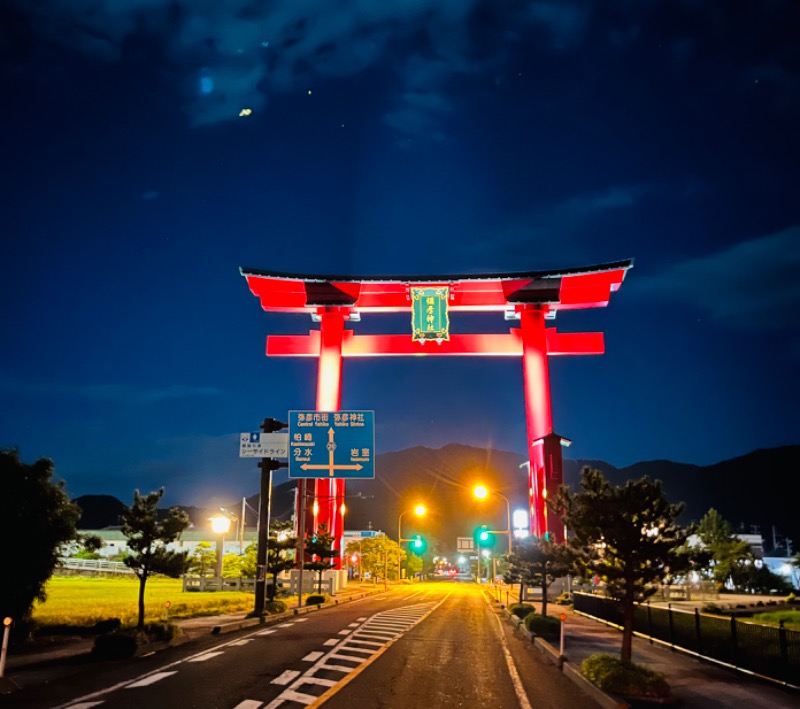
x,y
791,619
82,601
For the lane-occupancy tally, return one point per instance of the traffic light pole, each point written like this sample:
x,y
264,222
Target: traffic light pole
x,y
267,465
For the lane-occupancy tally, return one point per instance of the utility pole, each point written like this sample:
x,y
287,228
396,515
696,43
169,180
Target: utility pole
x,y
267,465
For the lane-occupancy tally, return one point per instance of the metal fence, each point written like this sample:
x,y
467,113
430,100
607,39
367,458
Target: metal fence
x,y
770,651
96,565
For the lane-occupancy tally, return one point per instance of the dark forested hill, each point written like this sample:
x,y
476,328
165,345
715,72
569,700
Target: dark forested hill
x,y
751,491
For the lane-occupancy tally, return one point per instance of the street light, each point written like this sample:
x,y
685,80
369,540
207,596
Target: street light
x,y
420,511
482,492
220,525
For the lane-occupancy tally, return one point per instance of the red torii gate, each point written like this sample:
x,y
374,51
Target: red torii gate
x,y
530,297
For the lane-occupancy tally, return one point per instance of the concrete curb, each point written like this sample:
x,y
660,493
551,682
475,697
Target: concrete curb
x,y
567,668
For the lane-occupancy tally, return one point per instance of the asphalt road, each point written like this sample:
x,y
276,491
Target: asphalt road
x,y
425,646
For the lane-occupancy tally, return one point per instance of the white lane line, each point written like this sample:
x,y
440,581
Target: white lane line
x,y
248,704
344,632
243,641
332,641
301,620
265,632
313,656
353,625
286,625
519,689
152,679
203,658
286,677
362,618
85,705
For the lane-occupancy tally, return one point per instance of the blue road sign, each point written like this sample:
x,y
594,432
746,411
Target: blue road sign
x,y
331,444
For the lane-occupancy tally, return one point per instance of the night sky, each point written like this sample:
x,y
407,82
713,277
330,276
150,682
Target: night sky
x,y
389,137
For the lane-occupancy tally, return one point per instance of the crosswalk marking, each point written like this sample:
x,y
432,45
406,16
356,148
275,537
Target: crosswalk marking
x,y
286,677
363,641
152,679
248,704
203,658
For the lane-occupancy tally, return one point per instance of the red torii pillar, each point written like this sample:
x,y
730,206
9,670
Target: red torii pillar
x,y
326,506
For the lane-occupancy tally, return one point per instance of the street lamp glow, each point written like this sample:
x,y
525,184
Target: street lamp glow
x,y
220,524
480,492
420,510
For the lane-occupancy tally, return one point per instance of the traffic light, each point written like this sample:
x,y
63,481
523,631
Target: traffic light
x,y
271,425
483,536
417,545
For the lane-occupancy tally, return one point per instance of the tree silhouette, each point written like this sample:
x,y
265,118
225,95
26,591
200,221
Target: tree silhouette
x,y
36,509
626,535
319,546
147,539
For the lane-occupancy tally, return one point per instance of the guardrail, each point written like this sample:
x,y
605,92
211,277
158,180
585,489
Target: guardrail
x,y
96,565
772,652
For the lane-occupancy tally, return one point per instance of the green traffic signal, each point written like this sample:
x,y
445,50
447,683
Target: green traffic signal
x,y
483,537
418,545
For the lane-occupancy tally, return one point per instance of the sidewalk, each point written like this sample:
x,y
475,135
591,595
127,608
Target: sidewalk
x,y
695,683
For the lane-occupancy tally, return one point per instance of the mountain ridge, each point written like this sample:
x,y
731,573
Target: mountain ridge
x,y
442,478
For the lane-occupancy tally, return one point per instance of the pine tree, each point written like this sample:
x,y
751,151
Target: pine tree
x,y
319,546
628,536
147,539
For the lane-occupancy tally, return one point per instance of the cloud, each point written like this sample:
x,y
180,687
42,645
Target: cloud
x,y
237,53
750,286
115,393
561,222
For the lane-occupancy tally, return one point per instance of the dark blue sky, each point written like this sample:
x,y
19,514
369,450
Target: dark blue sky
x,y
391,137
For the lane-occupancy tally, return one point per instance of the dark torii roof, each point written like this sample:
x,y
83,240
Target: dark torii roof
x,y
575,288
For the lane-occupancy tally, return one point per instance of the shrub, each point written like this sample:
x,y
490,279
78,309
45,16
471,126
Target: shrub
x,y
544,625
712,608
610,674
315,599
115,646
275,607
521,609
164,632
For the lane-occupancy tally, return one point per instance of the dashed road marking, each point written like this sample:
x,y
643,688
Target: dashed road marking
x,y
313,656
248,704
203,658
152,679
332,641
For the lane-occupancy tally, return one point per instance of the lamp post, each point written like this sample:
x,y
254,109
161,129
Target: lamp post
x,y
482,492
420,511
220,525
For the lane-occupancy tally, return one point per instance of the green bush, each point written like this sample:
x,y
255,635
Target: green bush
x,y
115,646
163,632
610,674
275,606
546,626
315,599
521,609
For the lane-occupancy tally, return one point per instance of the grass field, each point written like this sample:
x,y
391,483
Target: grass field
x,y
791,619
82,601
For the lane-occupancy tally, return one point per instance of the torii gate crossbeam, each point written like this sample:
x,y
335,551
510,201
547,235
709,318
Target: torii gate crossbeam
x,y
531,298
